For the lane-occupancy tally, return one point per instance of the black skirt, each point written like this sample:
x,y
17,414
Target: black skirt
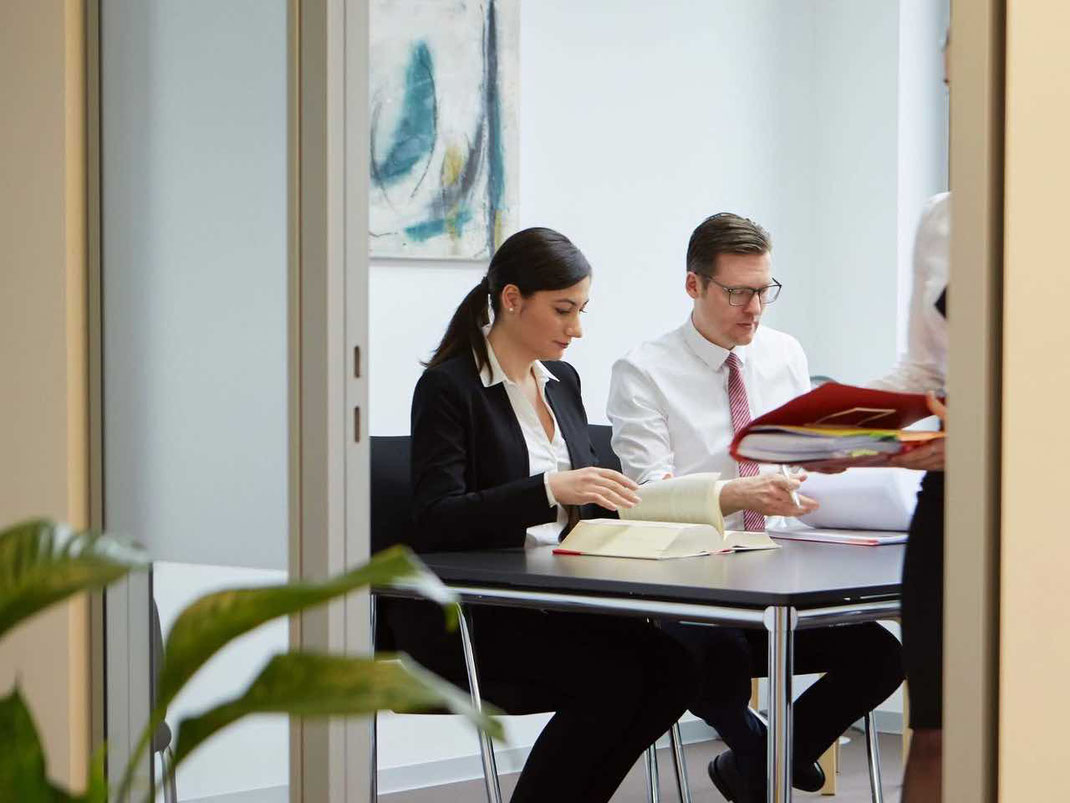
x,y
923,605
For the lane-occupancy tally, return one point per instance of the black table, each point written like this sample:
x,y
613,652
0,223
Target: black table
x,y
802,585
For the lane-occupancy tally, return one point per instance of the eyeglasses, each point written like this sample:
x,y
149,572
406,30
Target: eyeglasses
x,y
741,296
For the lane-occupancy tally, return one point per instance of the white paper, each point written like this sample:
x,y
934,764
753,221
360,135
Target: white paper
x,y
863,498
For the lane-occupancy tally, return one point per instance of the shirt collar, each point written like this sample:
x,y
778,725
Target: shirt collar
x,y
492,374
710,353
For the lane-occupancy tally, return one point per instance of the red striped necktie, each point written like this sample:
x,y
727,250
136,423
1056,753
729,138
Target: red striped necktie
x,y
740,409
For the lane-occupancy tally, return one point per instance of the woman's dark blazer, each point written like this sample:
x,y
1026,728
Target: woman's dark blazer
x,y
470,472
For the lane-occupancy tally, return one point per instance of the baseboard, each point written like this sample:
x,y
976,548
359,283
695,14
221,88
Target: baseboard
x,y
269,794
470,767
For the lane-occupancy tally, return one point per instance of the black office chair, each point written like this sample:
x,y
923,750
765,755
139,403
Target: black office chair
x,y
391,503
391,511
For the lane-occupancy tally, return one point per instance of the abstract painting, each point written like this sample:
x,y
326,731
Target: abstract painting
x,y
443,100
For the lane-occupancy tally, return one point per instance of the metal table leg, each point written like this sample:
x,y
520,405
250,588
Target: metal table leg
x,y
679,764
780,623
486,744
653,791
874,755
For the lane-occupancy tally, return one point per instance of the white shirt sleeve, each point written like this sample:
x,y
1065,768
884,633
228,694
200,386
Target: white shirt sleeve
x,y
640,431
550,498
923,367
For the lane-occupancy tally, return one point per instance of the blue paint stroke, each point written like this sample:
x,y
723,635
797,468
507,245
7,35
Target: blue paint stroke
x,y
492,110
454,224
414,135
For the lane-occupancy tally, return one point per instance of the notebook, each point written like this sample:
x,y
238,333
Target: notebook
x,y
829,536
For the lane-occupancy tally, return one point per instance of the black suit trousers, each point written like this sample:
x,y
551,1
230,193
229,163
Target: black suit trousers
x,y
614,685
861,666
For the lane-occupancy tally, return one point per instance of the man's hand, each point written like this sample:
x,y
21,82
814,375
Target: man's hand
x,y
769,494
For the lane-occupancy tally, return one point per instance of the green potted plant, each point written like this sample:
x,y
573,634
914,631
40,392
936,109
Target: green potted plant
x,y
42,563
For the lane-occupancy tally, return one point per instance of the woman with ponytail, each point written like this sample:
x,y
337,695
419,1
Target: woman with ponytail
x,y
502,457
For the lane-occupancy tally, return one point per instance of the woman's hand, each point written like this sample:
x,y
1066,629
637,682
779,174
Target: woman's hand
x,y
930,456
927,457
602,486
936,407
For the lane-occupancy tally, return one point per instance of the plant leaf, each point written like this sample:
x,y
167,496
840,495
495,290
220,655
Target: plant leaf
x,y
23,776
215,619
97,786
42,563
313,685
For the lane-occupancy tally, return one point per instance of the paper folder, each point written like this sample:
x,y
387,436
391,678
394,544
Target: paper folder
x,y
835,422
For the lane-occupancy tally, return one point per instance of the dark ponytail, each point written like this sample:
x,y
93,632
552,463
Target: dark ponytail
x,y
533,259
466,328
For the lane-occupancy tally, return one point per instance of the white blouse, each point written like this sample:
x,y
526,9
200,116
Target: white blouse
x,y
545,455
924,365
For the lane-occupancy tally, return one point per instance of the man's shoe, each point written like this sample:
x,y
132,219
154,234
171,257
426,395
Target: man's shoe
x,y
808,778
730,782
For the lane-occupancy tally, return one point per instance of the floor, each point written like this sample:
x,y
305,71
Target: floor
x,y
853,784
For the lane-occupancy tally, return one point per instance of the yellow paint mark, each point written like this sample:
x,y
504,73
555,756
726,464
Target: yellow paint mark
x,y
452,165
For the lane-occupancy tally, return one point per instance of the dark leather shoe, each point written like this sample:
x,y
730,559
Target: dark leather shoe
x,y
730,782
809,778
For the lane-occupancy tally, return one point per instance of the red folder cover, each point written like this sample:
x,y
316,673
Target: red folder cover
x,y
837,405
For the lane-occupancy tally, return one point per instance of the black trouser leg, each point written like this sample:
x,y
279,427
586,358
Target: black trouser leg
x,y
599,675
862,666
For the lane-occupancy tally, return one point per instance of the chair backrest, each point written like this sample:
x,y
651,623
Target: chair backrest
x,y
391,491
391,483
601,435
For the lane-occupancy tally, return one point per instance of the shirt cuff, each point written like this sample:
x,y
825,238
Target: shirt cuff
x,y
718,517
549,494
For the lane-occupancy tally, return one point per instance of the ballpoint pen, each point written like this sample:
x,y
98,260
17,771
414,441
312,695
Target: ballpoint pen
x,y
794,496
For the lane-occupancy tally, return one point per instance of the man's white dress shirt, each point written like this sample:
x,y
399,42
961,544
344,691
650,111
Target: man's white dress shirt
x,y
924,366
668,402
545,455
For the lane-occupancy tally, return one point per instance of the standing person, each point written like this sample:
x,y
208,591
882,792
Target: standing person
x,y
923,369
675,404
502,457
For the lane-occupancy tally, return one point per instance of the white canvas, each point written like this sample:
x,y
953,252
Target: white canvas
x,y
443,99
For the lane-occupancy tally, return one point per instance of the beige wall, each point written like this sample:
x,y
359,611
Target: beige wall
x,y
1035,592
43,420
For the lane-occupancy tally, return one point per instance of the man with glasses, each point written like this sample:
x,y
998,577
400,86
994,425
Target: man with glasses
x,y
675,404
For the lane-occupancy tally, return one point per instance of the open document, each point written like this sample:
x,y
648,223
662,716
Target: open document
x,y
675,518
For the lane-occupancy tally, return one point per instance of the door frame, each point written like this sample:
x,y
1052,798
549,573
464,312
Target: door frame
x,y
971,573
327,268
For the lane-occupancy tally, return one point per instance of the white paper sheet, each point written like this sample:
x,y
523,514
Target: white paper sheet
x,y
863,498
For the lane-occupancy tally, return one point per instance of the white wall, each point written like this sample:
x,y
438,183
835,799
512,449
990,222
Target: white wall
x,y
195,321
253,753
639,119
194,277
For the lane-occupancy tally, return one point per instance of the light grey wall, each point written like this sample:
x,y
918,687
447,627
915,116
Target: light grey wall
x,y
194,277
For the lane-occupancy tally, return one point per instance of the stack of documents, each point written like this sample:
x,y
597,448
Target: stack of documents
x,y
864,507
835,422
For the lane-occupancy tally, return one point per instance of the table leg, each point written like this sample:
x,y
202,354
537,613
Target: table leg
x,y
780,623
486,744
